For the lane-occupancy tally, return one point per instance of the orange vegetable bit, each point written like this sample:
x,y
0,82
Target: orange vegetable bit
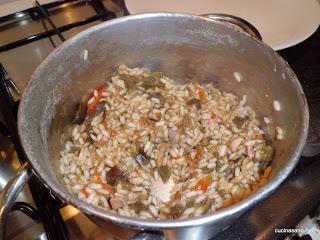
x,y
101,143
102,89
198,152
213,115
203,184
97,176
104,186
113,133
158,115
187,157
198,156
93,106
90,95
98,180
85,192
202,95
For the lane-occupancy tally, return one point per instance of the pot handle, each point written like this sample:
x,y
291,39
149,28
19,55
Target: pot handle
x,y
237,22
10,193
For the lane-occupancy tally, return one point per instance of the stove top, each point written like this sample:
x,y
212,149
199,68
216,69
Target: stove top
x,y
297,199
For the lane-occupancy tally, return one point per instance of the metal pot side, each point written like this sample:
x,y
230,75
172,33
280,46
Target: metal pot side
x,y
186,48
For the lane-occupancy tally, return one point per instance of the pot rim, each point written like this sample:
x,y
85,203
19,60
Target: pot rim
x,y
209,218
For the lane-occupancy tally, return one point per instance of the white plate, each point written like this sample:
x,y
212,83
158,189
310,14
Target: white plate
x,y
282,23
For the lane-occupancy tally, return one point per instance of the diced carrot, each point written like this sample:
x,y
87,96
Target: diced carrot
x,y
202,95
198,152
104,186
203,184
98,180
85,192
255,187
187,157
250,152
228,202
263,182
198,156
158,115
101,143
213,115
101,90
84,135
93,106
98,177
246,193
267,172
90,95
112,133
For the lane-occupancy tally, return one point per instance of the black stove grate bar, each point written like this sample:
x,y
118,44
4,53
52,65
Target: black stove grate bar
x,y
46,34
103,14
27,209
4,130
34,9
47,206
100,9
44,13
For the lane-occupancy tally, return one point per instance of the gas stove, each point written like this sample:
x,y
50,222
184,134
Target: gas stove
x,y
291,212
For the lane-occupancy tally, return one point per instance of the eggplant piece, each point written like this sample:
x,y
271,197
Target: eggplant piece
x,y
117,202
207,205
240,122
196,102
99,109
267,154
142,158
80,114
130,81
155,115
187,122
153,80
164,173
143,197
206,170
124,180
156,75
158,96
124,177
113,174
190,202
174,136
138,206
176,211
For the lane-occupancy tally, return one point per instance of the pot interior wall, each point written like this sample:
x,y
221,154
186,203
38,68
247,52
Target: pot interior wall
x,y
185,49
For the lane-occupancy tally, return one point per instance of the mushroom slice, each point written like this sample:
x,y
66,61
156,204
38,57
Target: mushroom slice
x,y
117,202
162,190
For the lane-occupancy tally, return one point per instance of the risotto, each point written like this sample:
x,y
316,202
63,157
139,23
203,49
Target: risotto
x,y
145,147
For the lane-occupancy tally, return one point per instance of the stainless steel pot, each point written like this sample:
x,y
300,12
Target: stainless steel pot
x,y
184,47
